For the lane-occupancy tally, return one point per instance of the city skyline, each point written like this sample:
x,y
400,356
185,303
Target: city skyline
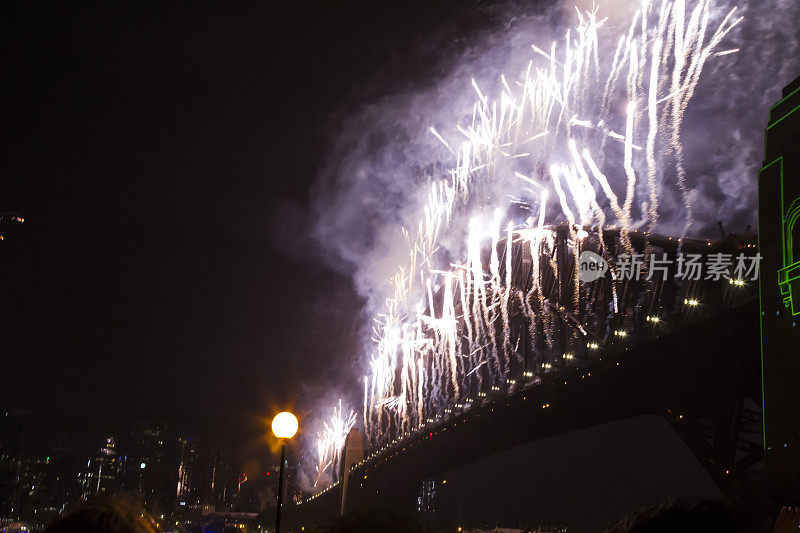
x,y
169,473
377,216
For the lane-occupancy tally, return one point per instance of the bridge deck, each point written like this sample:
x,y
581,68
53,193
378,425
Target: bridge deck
x,y
694,377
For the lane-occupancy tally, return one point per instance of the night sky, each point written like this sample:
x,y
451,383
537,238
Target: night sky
x,y
163,158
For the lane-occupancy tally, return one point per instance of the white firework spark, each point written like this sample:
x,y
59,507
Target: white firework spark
x,y
567,123
329,445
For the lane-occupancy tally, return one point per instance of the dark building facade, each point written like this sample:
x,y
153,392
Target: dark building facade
x,y
149,467
779,241
104,473
189,482
12,430
219,483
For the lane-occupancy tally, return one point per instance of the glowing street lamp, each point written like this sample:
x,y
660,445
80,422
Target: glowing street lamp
x,y
284,426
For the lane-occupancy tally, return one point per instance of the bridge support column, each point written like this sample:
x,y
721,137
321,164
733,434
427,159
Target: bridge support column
x,y
779,286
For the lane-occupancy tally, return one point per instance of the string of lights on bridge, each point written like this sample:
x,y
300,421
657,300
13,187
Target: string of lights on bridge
x,y
392,449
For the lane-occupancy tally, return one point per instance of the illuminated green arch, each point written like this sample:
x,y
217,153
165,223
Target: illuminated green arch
x,y
789,275
790,225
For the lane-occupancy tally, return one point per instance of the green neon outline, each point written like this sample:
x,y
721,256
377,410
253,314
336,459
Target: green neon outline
x,y
783,251
790,223
761,335
761,323
761,317
783,236
786,285
783,217
782,100
783,117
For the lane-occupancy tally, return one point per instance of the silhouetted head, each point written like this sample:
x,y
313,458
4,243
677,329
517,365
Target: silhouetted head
x,y
678,516
105,515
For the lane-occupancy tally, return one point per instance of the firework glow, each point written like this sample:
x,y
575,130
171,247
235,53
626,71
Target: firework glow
x,y
585,113
329,444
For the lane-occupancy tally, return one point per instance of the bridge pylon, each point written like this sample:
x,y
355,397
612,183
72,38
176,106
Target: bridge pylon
x,y
779,243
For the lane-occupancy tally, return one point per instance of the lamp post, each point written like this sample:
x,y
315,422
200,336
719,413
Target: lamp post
x,y
284,426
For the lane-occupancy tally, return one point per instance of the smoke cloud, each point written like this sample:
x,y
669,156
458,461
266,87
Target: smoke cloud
x,y
383,156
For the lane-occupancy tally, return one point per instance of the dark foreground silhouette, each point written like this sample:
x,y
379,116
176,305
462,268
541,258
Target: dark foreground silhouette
x,y
678,516
105,515
109,515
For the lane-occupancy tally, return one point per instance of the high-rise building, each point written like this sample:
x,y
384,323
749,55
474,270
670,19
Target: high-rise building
x,y
426,501
189,479
58,487
105,472
217,493
46,487
779,284
12,429
148,465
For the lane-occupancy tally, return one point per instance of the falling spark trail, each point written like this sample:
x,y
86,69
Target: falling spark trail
x,y
436,134
451,330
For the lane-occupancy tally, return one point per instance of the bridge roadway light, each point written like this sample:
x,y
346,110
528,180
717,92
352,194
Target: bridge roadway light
x,y
284,426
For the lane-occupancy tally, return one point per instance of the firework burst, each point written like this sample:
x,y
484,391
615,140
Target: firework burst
x,y
584,114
